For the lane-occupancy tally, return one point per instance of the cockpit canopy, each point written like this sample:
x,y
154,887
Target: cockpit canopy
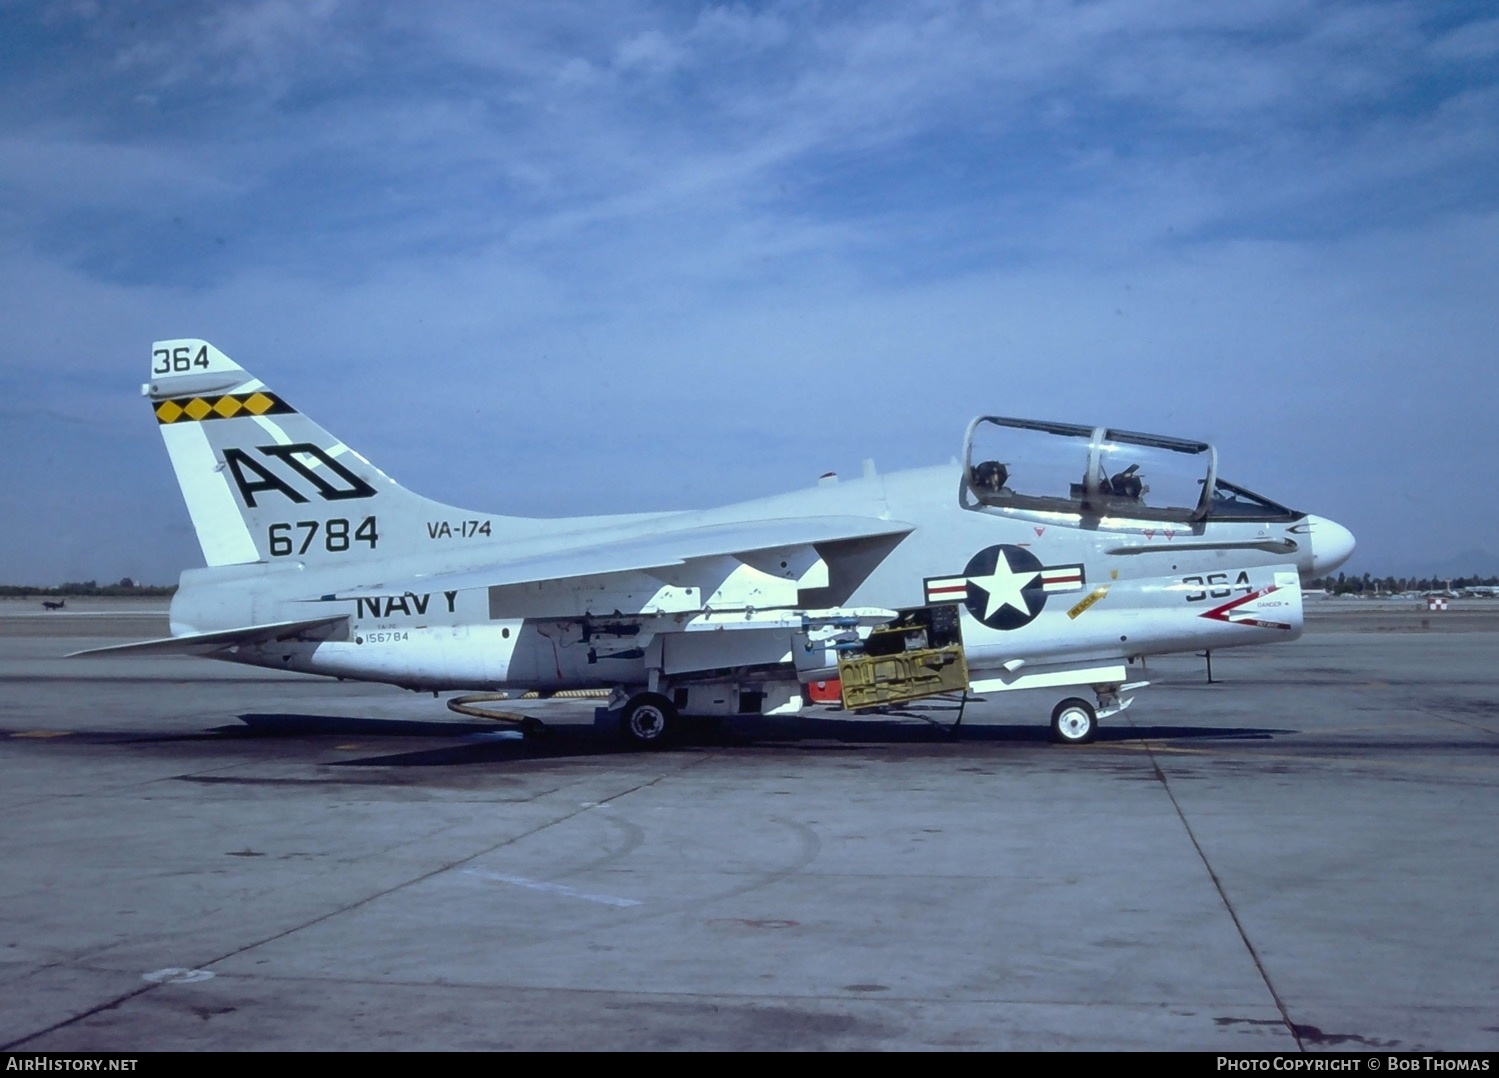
x,y
1096,471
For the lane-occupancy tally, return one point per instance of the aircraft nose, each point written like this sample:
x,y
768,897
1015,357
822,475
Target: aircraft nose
x,y
1332,544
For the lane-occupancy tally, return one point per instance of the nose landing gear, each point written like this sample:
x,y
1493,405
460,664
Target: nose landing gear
x,y
1074,722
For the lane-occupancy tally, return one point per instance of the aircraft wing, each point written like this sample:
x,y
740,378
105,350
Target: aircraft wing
x,y
643,552
246,636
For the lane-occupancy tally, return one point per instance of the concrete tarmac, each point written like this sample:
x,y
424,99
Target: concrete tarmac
x,y
1301,857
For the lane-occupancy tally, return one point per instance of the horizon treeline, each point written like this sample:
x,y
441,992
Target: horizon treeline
x,y
83,588
1343,584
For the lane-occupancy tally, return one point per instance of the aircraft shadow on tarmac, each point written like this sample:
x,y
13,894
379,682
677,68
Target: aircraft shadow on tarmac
x,y
491,742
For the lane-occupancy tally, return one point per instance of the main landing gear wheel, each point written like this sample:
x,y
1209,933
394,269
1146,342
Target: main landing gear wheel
x,y
1074,722
649,721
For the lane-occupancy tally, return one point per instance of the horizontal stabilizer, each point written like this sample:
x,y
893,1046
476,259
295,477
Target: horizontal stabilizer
x,y
313,629
642,552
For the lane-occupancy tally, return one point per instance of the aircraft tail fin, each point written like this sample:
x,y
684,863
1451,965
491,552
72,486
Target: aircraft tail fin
x,y
262,481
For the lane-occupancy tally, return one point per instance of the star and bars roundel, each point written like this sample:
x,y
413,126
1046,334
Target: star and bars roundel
x,y
1004,587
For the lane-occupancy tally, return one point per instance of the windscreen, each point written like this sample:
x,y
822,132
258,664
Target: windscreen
x,y
1231,502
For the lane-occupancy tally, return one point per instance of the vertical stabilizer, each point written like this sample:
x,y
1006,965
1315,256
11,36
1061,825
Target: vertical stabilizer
x,y
263,482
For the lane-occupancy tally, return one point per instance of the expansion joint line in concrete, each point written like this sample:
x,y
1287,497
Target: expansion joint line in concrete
x,y
1233,914
366,900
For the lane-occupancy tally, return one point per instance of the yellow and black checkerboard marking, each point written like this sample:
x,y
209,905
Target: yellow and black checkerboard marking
x,y
202,409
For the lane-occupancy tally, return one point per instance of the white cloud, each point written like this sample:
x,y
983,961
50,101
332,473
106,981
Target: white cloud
x,y
650,52
1473,42
61,170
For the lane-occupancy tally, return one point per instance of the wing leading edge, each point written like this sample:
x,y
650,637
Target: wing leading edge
x,y
643,552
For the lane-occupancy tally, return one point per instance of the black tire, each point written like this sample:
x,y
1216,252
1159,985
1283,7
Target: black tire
x,y
1074,722
648,721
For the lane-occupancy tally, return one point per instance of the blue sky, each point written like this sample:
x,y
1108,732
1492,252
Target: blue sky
x,y
551,259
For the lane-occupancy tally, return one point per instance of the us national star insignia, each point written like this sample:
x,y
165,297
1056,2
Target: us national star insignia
x,y
1005,587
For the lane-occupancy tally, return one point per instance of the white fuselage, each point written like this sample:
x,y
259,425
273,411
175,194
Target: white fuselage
x,y
1142,589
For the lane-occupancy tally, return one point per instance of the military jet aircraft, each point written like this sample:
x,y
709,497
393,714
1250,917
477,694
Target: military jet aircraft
x,y
1052,556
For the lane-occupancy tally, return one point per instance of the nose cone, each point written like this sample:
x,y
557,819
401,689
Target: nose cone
x,y
1332,544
